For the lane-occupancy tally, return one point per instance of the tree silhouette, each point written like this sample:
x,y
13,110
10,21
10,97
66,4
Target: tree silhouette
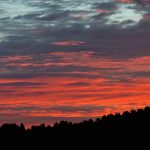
x,y
127,128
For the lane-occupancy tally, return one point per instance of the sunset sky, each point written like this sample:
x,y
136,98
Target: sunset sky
x,y
73,59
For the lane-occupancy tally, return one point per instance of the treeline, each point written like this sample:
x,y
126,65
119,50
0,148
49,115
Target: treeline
x,y
128,127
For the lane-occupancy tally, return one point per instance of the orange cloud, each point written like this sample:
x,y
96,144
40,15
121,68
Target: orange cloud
x,y
117,85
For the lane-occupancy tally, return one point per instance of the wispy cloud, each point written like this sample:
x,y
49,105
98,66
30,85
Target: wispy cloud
x,y
73,59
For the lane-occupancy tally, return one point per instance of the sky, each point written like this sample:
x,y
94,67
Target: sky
x,y
73,59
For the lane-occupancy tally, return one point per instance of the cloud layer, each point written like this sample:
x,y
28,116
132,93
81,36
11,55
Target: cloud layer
x,y
73,59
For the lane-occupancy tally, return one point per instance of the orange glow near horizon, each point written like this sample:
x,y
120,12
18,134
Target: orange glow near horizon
x,y
73,59
109,88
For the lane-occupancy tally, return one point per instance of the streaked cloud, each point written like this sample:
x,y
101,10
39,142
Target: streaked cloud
x,y
72,59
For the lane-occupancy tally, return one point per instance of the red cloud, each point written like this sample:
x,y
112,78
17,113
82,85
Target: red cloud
x,y
102,11
68,43
125,1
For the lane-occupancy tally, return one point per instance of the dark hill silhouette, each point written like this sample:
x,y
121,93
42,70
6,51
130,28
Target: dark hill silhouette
x,y
129,128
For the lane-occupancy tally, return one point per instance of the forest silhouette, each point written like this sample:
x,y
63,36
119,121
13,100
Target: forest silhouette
x,y
128,128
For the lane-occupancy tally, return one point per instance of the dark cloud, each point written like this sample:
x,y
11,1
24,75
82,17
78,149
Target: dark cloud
x,y
21,84
30,75
78,84
107,39
48,109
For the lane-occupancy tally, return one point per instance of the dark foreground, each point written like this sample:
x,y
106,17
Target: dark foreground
x,y
113,131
